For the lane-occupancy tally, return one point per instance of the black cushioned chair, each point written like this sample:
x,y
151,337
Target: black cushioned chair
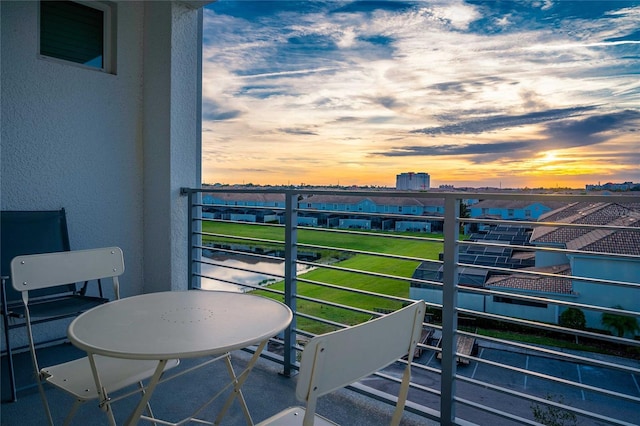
x,y
34,232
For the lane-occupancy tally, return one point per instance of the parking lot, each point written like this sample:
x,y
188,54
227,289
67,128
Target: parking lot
x,y
521,380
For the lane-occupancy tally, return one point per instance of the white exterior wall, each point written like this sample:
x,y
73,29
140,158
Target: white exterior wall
x,y
606,295
547,314
172,138
113,149
72,137
413,181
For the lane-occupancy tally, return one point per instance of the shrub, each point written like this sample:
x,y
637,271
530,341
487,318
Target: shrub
x,y
573,318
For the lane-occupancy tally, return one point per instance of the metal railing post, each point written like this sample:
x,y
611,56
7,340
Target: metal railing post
x,y
190,284
449,310
290,277
194,239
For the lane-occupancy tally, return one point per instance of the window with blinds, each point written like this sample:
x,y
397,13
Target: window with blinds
x,y
75,32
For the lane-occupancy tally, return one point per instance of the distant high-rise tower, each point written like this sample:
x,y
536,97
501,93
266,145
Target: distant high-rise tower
x,y
413,181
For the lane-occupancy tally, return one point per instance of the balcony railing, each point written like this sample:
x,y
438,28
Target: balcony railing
x,y
531,321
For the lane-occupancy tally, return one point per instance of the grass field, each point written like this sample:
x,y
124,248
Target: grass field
x,y
361,262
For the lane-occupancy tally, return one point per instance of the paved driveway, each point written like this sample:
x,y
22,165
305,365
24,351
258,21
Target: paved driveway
x,y
519,381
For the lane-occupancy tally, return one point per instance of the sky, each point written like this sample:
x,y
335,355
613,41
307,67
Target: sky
x,y
485,94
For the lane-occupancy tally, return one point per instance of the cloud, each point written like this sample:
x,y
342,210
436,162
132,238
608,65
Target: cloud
x,y
382,85
591,130
500,122
460,149
557,135
212,111
297,131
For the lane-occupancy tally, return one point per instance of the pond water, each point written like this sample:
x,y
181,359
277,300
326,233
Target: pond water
x,y
266,272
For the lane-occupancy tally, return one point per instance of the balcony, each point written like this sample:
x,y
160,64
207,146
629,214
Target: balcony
x,y
497,287
266,391
496,348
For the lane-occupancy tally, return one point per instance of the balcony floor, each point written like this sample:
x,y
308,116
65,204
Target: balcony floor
x,y
266,392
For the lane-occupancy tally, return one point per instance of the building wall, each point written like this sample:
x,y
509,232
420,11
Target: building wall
x,y
113,149
606,295
544,259
547,313
413,181
481,303
72,137
529,212
172,138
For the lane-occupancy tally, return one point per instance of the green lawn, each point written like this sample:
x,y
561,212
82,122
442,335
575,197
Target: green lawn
x,y
361,262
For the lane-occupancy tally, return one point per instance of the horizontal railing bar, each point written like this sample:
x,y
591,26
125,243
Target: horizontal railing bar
x,y
232,252
551,378
241,207
372,234
353,290
534,398
496,412
554,354
523,271
523,196
238,268
368,253
535,248
341,306
358,271
543,224
238,237
320,320
547,326
558,302
371,214
244,222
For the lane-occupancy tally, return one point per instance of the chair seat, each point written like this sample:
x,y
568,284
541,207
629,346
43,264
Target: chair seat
x,y
115,373
293,416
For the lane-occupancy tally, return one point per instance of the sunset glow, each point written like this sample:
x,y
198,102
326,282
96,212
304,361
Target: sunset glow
x,y
509,94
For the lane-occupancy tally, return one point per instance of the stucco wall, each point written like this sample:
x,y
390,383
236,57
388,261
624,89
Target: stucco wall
x,y
172,111
72,137
607,295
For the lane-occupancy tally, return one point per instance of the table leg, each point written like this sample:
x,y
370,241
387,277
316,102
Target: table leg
x,y
238,382
146,396
104,401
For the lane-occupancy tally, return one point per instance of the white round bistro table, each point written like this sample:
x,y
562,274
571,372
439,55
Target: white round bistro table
x,y
179,324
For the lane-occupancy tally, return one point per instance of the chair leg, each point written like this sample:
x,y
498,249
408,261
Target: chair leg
x,y
72,412
5,321
45,403
12,377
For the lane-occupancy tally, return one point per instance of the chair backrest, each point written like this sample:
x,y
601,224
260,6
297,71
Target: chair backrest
x,y
337,359
35,272
39,271
31,232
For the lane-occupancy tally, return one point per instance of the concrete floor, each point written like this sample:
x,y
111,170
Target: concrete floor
x,y
266,392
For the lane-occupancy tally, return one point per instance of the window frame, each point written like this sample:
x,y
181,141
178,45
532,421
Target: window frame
x,y
108,10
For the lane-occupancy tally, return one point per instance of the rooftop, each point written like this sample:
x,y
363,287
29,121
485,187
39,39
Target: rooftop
x,y
592,239
535,283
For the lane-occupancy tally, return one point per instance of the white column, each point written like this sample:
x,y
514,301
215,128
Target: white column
x,y
172,137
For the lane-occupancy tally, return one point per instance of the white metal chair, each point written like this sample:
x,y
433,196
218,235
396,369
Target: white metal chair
x,y
33,272
337,359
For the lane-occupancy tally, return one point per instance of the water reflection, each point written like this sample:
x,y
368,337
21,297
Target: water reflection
x,y
264,272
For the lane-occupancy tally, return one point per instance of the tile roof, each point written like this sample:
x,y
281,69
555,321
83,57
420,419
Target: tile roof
x,y
592,239
536,283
